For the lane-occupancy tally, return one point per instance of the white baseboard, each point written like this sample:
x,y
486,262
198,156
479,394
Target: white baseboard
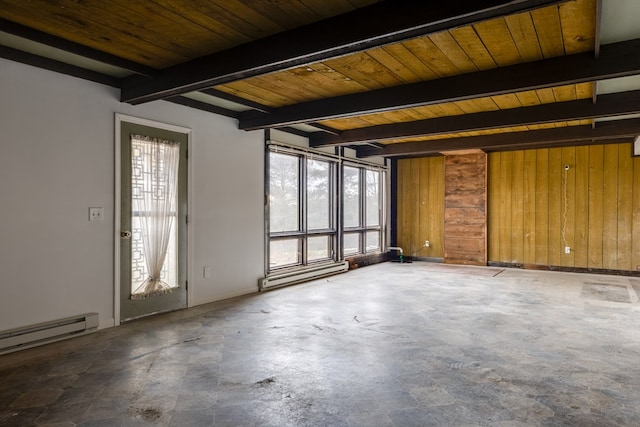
x,y
109,323
227,295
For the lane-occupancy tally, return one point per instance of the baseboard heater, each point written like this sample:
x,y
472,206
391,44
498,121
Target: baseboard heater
x,y
309,273
47,332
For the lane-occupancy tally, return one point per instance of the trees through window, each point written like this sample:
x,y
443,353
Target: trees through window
x,y
363,214
302,218
308,222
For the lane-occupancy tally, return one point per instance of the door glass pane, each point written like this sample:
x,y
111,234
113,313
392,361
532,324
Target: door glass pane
x,y
284,179
318,248
139,270
373,241
351,243
373,198
284,252
154,195
351,196
138,181
318,196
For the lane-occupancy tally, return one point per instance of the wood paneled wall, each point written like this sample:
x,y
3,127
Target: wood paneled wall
x,y
465,208
536,207
420,206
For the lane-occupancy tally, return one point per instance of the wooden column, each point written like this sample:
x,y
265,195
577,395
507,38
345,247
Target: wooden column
x,y
465,208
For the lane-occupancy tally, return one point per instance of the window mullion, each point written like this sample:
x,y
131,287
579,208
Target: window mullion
x,y
381,205
363,207
339,208
303,207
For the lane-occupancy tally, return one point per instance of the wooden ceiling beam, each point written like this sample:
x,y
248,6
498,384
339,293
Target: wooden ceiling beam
x,y
57,66
608,105
74,48
365,28
576,143
236,99
533,146
615,60
260,107
628,128
203,106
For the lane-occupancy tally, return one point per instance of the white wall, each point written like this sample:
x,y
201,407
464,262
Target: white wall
x,y
289,138
57,160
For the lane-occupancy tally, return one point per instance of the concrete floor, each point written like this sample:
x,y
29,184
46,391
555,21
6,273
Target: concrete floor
x,y
388,345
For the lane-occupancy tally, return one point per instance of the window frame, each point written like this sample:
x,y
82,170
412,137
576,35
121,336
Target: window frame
x,y
303,233
363,228
336,231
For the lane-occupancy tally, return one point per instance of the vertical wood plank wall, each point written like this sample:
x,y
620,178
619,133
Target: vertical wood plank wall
x,y
420,206
536,208
465,208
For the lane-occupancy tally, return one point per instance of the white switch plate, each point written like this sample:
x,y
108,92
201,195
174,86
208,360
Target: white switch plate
x,y
567,249
96,214
206,272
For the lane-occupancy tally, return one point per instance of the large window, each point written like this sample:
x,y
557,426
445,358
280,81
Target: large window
x,y
302,209
362,208
308,222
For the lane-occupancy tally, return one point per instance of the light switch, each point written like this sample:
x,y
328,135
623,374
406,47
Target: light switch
x,y
206,272
96,214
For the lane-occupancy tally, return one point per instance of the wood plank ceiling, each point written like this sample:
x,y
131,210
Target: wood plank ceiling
x,y
161,39
161,33
525,37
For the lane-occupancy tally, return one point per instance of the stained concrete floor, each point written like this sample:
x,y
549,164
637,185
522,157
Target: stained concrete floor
x,y
388,345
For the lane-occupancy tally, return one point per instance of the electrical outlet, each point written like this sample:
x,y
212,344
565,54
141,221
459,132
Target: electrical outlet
x,y
96,214
567,249
427,244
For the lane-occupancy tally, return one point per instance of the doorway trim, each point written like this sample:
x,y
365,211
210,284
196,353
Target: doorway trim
x,y
119,118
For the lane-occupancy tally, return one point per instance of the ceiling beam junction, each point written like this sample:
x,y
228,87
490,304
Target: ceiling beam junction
x,y
596,50
203,106
260,107
74,48
615,60
372,26
236,99
608,105
57,66
627,128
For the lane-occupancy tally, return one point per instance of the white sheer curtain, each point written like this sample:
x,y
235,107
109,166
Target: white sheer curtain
x,y
154,171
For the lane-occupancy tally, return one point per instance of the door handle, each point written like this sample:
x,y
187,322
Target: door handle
x,y
125,235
